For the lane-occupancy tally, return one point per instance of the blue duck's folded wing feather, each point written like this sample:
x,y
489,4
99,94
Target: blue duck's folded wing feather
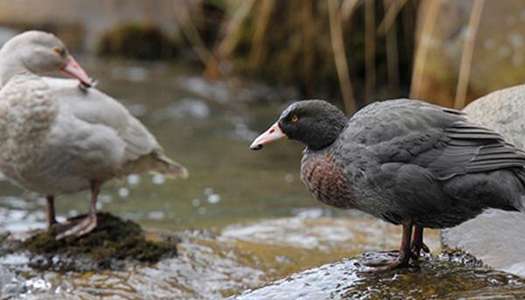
x,y
439,139
473,149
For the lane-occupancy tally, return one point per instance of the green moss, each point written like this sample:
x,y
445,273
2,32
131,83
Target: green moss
x,y
137,41
113,239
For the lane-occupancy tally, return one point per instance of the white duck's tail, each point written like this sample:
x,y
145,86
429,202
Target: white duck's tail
x,y
156,162
168,167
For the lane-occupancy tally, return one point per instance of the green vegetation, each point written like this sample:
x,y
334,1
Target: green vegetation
x,y
137,41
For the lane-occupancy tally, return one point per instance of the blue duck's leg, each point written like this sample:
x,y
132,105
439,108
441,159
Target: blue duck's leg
x,y
405,253
90,221
417,242
50,211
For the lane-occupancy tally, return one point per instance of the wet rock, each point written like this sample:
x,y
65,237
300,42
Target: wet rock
x,y
11,285
107,247
439,277
219,264
495,237
203,269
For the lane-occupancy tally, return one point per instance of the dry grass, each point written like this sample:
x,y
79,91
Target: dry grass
x,y
338,46
430,12
354,50
346,49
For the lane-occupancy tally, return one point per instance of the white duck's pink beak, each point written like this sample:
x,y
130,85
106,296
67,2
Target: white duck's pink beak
x,y
272,134
73,69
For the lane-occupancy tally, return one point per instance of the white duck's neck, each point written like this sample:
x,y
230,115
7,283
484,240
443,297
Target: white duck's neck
x,y
10,65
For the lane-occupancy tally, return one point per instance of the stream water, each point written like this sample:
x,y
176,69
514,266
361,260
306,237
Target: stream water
x,y
244,218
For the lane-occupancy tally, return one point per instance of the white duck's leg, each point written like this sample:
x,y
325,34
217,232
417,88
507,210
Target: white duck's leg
x,y
51,220
90,221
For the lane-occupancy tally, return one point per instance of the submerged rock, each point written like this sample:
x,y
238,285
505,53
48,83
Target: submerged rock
x,y
107,247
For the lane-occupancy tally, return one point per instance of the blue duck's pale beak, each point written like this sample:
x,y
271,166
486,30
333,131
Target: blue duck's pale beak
x,y
73,69
272,134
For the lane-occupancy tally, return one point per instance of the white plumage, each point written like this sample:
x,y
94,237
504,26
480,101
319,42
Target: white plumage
x,y
57,138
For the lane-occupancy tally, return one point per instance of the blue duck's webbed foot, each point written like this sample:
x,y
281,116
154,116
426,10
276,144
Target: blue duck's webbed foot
x,y
417,243
401,261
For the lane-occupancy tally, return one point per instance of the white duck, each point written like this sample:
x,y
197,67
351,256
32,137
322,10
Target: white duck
x,y
58,138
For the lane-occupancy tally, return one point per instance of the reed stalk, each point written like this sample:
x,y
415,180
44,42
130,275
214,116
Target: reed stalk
x,y
232,28
341,63
370,49
466,55
429,16
348,8
191,33
308,29
258,50
392,10
392,55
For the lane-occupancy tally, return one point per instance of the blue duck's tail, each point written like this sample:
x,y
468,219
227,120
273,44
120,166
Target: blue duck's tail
x,y
520,202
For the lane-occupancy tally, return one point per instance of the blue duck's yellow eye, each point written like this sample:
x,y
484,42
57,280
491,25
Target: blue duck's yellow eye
x,y
295,118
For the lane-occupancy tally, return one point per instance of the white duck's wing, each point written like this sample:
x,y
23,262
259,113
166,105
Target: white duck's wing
x,y
142,151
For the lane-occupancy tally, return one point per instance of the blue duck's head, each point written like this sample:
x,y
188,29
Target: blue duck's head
x,y
315,123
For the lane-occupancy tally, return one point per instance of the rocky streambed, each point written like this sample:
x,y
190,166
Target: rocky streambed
x,y
303,257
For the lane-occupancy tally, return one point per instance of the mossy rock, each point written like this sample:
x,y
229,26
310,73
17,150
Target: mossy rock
x,y
113,242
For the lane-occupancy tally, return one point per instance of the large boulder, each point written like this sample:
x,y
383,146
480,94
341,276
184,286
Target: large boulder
x,y
498,59
496,236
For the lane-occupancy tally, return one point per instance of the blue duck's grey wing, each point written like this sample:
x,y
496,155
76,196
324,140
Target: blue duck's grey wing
x,y
439,139
394,120
469,148
414,190
439,157
420,150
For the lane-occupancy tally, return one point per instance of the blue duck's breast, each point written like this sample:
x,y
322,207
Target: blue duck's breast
x,y
326,180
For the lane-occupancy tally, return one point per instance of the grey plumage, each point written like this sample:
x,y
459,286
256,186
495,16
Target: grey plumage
x,y
404,161
409,160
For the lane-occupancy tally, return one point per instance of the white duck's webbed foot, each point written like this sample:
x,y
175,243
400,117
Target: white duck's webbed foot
x,y
81,228
89,223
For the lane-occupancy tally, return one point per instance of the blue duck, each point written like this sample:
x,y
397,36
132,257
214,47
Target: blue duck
x,y
404,161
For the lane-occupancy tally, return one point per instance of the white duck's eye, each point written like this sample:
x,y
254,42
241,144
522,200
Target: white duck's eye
x,y
60,51
294,118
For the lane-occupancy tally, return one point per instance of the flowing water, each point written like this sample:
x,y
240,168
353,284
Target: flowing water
x,y
244,217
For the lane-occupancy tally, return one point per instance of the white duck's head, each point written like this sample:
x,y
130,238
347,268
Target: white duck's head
x,y
40,53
